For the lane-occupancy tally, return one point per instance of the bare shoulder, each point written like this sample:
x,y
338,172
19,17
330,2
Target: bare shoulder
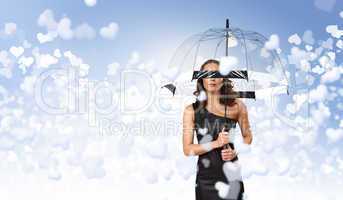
x,y
188,113
189,110
241,105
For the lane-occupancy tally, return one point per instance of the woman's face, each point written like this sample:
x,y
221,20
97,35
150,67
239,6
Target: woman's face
x,y
212,84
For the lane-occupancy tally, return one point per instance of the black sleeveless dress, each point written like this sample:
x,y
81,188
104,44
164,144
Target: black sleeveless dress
x,y
210,164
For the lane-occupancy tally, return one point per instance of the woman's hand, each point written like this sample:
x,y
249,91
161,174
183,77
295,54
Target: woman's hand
x,y
223,138
228,154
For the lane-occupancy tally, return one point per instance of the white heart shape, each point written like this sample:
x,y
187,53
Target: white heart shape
x,y
227,64
272,43
202,96
203,131
222,188
17,51
294,39
57,53
47,37
232,171
26,61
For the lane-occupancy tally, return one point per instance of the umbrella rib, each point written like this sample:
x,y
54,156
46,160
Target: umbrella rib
x,y
215,53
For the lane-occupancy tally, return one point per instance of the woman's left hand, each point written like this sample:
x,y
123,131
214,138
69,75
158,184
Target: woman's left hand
x,y
228,154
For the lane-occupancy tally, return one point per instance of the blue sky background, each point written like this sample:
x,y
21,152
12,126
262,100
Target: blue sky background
x,y
63,151
156,28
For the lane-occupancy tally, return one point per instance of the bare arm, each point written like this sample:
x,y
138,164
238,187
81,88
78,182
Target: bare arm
x,y
243,121
189,148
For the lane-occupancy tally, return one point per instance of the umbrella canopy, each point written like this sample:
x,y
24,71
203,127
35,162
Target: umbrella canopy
x,y
246,58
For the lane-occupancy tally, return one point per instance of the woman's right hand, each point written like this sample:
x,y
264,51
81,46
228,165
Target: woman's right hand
x,y
223,138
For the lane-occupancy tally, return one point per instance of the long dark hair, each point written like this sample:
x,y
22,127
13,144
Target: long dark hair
x,y
227,94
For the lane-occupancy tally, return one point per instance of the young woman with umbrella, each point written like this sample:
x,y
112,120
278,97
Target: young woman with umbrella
x,y
207,118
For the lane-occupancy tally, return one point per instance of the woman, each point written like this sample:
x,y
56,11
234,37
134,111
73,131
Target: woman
x,y
207,119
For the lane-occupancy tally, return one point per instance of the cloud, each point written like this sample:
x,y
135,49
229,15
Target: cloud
x,y
325,5
339,44
328,44
298,56
25,62
319,93
157,149
47,19
308,47
93,167
26,44
84,31
5,98
299,100
326,62
294,39
6,72
334,31
43,38
90,3
305,65
334,135
331,75
57,53
318,70
320,114
21,134
227,63
28,84
308,37
17,51
77,62
10,28
110,31
134,58
112,68
45,60
62,28
272,43
5,61
54,174
74,60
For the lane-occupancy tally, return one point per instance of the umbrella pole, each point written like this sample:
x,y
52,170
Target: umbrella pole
x,y
227,37
227,129
227,146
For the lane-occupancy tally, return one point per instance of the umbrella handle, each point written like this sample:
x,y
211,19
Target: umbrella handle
x,y
226,146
